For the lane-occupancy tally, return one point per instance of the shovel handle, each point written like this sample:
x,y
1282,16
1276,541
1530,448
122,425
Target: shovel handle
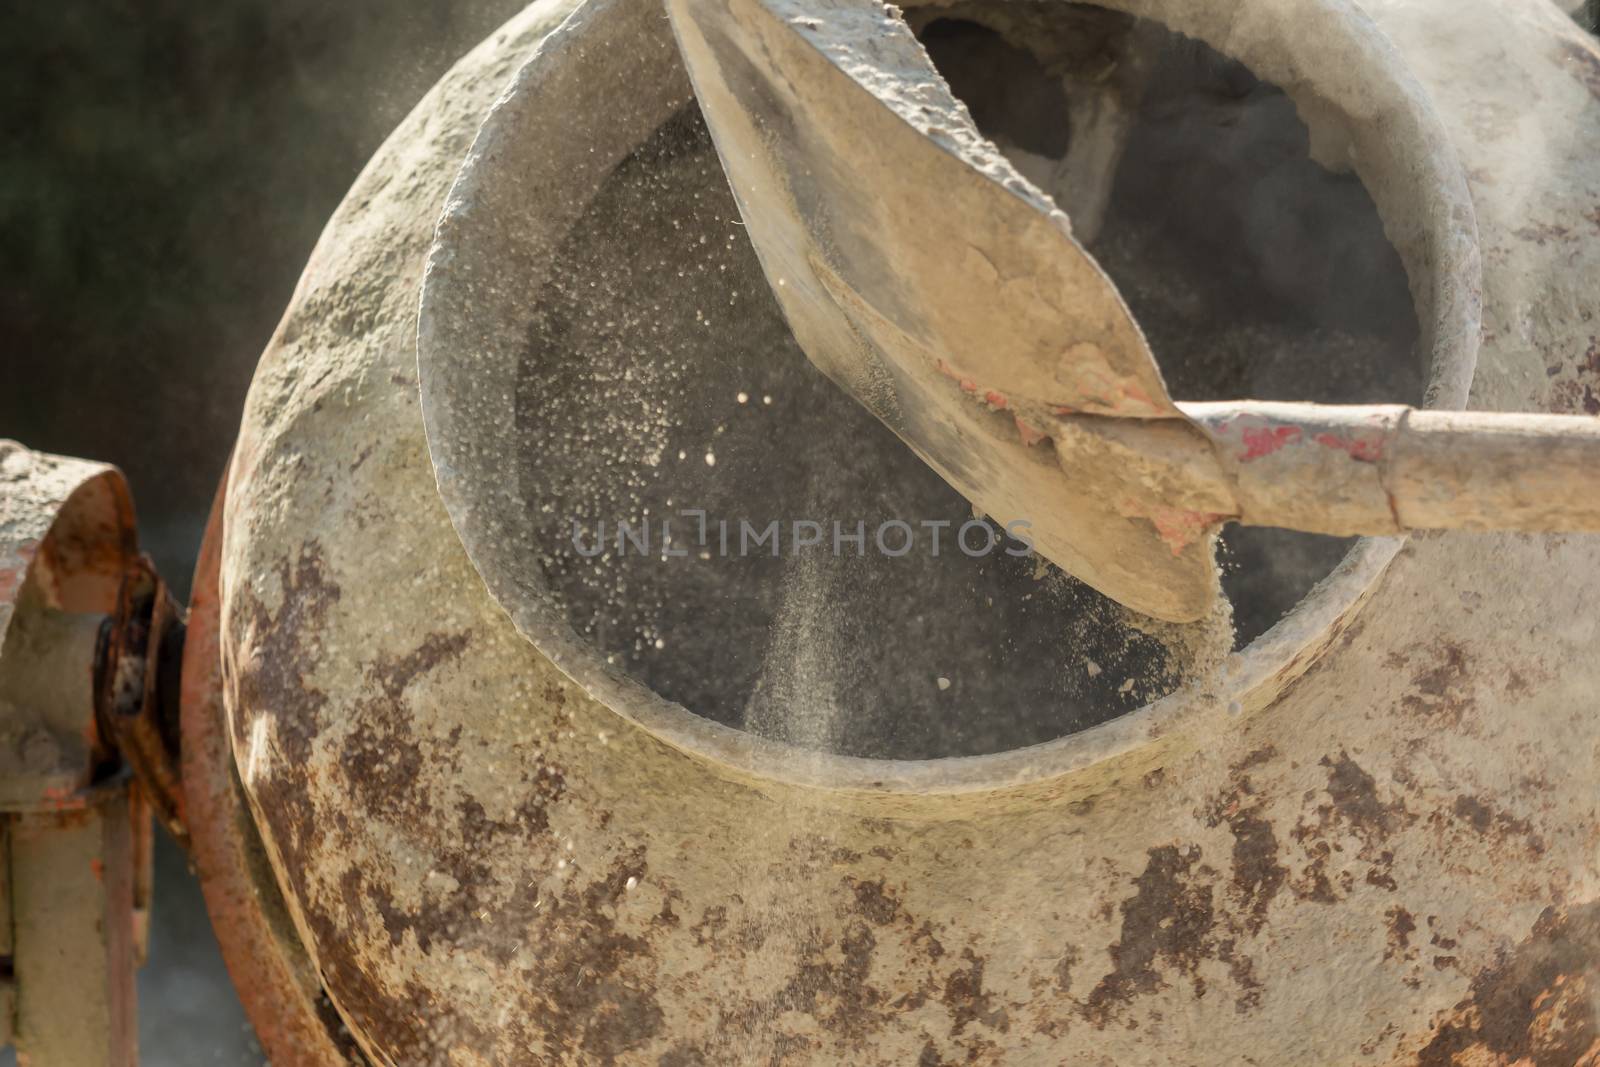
x,y
1387,469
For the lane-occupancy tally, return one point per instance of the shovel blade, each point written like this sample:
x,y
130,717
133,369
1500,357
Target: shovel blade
x,y
926,277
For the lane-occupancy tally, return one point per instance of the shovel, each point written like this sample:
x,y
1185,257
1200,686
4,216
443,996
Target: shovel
x,y
928,279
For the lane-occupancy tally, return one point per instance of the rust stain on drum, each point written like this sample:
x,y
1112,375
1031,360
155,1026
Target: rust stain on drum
x,y
276,983
388,759
1442,695
1535,1007
1488,820
1168,921
1258,876
577,992
1354,811
271,684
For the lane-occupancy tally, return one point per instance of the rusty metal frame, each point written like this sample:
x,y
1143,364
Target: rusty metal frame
x,y
74,825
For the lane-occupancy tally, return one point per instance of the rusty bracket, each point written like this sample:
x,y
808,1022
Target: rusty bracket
x,y
75,841
138,667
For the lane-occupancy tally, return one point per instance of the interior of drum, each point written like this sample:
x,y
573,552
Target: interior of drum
x,y
660,385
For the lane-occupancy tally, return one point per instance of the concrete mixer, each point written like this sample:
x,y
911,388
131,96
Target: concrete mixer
x,y
607,648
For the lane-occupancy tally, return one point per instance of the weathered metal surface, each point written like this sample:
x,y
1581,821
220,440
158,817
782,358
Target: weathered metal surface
x,y
92,546
275,979
76,838
1386,854
72,912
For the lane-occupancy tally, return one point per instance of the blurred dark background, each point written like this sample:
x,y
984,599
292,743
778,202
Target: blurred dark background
x,y
166,168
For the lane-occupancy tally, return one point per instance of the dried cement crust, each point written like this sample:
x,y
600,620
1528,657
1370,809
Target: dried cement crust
x,y
1392,861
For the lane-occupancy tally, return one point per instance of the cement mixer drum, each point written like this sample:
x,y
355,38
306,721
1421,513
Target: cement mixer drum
x,y
560,751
